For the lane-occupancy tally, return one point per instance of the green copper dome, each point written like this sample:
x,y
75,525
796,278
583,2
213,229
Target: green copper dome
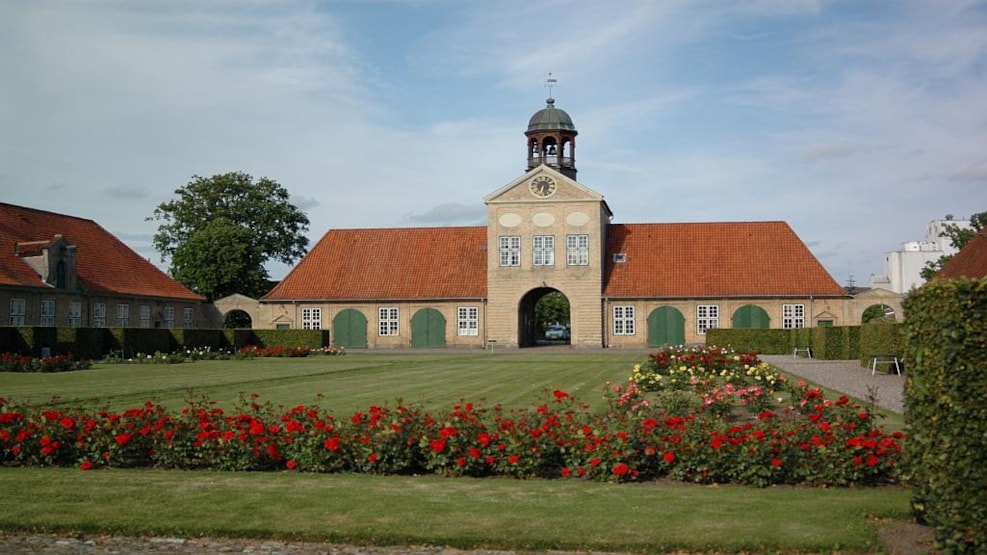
x,y
550,118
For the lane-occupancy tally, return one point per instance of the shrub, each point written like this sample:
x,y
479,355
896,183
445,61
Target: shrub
x,y
808,439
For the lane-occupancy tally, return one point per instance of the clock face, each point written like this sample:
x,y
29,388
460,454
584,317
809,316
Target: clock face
x,y
543,186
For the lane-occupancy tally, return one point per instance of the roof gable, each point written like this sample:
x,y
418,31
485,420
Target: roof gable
x,y
723,259
390,264
569,190
970,262
103,263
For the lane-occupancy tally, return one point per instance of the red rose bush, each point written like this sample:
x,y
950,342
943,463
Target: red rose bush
x,y
808,439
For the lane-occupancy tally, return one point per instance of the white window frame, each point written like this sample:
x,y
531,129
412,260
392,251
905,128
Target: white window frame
x,y
18,311
123,315
169,317
188,318
387,321
543,250
623,320
99,315
311,318
47,312
144,315
510,250
75,314
792,316
707,317
468,320
577,250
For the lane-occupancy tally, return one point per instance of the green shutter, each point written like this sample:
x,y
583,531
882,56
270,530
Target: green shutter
x,y
666,326
428,329
750,317
350,329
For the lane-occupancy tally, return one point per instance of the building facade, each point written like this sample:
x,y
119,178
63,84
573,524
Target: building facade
x,y
627,285
59,270
903,268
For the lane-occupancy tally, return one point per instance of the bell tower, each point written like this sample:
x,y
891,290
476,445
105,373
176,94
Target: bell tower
x,y
551,138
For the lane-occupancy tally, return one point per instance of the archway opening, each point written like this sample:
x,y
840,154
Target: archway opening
x,y
877,312
544,318
237,318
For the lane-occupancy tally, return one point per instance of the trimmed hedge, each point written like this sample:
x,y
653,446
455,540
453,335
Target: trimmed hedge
x,y
96,343
946,410
881,337
765,342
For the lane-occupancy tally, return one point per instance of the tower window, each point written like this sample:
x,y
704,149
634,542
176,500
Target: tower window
x,y
577,250
510,250
544,250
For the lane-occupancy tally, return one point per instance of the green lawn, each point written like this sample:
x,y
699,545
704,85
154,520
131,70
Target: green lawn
x,y
459,512
344,383
365,509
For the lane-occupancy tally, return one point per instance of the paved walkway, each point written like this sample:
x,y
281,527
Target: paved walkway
x,y
847,376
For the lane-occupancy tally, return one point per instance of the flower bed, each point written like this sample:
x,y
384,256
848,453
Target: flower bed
x,y
12,362
808,439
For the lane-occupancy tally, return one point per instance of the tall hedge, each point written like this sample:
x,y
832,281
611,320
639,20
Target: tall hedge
x,y
946,410
881,337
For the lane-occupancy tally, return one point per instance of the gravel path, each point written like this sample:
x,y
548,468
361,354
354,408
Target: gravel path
x,y
846,376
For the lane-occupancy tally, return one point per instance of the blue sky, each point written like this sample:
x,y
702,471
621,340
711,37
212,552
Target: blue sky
x,y
855,121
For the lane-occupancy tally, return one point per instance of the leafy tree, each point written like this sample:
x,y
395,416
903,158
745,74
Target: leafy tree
x,y
958,237
553,308
220,231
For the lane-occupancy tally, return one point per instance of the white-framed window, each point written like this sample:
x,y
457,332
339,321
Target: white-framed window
x,y
387,321
169,317
623,320
47,312
577,250
75,314
543,250
468,320
707,317
144,313
510,250
18,312
311,318
188,318
123,315
99,315
792,316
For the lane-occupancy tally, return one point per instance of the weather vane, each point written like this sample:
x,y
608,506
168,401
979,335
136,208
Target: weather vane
x,y
550,82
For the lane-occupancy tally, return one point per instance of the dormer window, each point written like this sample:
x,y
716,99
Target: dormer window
x,y
619,257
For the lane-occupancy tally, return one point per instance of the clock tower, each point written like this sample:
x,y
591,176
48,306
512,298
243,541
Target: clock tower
x,y
546,234
552,140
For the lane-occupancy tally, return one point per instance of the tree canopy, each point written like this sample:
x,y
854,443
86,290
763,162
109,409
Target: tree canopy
x,y
958,237
220,231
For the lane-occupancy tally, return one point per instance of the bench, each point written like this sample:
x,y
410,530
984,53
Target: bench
x,y
889,360
807,350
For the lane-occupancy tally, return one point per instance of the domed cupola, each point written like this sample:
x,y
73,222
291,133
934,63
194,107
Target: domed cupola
x,y
551,138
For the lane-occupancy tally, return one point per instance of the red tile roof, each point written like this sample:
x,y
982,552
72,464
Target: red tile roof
x,y
970,262
394,263
723,259
685,260
104,264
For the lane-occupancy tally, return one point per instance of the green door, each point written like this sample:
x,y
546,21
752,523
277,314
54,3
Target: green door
x,y
750,317
666,326
428,329
350,329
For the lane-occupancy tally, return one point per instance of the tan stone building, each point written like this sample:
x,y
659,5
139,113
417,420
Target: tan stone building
x,y
628,285
59,270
